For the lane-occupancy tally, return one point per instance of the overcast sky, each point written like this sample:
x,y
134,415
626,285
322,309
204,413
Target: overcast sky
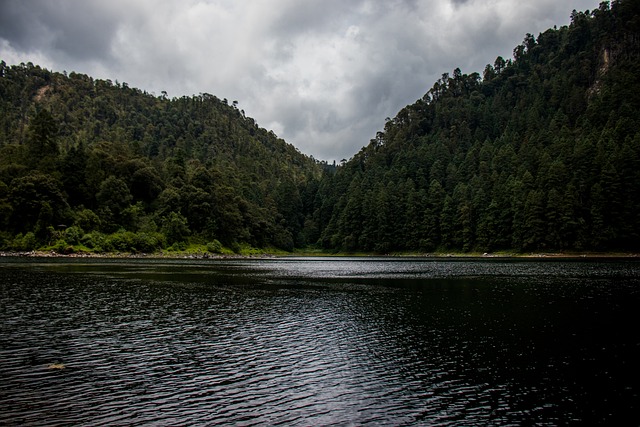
x,y
322,74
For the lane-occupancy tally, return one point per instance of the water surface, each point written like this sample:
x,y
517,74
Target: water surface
x,y
319,341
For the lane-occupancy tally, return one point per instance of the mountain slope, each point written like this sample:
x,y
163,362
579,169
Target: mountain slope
x,y
101,159
541,152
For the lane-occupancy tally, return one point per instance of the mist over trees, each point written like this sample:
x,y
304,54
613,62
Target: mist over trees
x,y
538,152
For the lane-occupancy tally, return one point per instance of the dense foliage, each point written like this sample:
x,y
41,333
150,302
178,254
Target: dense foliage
x,y
541,152
89,162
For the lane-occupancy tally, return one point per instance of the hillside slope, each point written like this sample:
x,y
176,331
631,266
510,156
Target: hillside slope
x,y
98,163
541,152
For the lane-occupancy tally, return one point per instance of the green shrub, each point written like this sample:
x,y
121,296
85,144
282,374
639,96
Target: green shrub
x,y
122,241
26,242
29,242
73,235
95,241
214,246
149,242
178,247
62,247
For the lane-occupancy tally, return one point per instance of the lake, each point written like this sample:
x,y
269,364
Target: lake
x,y
319,341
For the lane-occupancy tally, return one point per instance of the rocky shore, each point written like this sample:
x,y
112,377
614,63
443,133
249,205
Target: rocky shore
x,y
207,255
124,255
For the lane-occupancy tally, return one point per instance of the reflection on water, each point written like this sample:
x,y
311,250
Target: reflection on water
x,y
318,342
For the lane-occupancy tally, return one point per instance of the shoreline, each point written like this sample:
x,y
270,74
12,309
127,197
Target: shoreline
x,y
213,256
123,255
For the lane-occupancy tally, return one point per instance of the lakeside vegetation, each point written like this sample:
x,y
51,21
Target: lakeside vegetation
x,y
539,153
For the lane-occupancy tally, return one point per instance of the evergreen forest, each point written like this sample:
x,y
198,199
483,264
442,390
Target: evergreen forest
x,y
103,167
538,152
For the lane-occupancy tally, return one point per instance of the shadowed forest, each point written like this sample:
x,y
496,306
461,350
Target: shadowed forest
x,y
538,152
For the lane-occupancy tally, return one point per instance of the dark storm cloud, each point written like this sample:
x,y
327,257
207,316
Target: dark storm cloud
x,y
77,29
15,25
323,74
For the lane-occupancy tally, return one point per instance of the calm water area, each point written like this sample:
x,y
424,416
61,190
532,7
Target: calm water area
x,y
319,341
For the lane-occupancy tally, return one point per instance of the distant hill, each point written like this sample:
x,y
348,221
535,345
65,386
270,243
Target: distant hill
x,y
93,163
539,152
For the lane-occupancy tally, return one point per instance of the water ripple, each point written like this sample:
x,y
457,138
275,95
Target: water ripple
x,y
142,347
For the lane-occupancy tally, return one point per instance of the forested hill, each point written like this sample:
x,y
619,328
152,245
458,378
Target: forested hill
x,y
539,152
96,164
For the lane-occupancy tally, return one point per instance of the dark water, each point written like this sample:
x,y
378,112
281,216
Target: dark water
x,y
319,342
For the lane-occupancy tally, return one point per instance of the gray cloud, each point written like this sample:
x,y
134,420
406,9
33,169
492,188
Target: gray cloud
x,y
323,74
76,30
